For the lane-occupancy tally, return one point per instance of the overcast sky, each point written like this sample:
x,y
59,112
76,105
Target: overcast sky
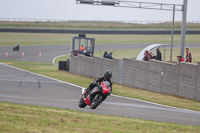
x,y
69,10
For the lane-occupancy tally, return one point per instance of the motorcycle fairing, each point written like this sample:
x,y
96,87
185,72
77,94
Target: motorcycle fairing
x,y
87,100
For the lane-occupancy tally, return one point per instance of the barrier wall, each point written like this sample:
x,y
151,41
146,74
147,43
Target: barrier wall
x,y
180,80
197,96
94,67
170,79
135,73
154,76
187,80
128,73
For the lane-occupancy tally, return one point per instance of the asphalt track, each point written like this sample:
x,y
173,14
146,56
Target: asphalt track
x,y
48,52
23,87
19,86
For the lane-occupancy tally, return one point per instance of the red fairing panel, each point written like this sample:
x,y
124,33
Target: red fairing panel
x,y
87,101
105,88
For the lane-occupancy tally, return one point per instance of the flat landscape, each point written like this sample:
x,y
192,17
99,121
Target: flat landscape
x,y
97,25
60,99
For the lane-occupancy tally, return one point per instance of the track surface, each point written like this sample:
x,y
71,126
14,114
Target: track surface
x,y
31,53
23,87
27,88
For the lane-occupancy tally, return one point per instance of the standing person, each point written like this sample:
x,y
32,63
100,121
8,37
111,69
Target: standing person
x,y
146,56
158,55
188,57
82,48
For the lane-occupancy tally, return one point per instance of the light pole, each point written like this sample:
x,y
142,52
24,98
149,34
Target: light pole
x,y
149,5
183,27
172,38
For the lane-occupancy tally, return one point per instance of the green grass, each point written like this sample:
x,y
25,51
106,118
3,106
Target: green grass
x,y
16,118
10,39
52,71
132,53
96,25
62,58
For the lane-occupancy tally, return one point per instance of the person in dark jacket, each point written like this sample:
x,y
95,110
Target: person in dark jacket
x,y
86,53
110,55
105,55
158,55
107,77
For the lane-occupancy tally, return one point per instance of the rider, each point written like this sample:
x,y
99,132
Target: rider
x,y
106,77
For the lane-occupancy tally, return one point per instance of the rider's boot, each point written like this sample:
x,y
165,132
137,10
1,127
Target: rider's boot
x,y
86,92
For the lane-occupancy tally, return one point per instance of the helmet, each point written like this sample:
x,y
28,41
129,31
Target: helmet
x,y
108,74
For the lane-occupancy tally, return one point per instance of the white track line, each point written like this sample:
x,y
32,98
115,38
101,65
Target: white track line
x,y
53,61
42,75
82,87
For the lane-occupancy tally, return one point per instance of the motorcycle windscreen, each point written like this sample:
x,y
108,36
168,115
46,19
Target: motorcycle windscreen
x,y
106,87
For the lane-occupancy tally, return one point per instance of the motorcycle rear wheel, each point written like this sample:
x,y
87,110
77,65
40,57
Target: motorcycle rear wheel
x,y
81,103
97,102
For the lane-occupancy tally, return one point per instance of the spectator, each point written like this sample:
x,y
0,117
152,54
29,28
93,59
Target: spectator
x,y
180,59
188,57
82,48
110,55
151,55
105,55
86,53
158,55
146,56
16,47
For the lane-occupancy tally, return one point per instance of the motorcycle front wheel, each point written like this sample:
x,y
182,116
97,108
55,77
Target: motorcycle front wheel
x,y
96,101
81,103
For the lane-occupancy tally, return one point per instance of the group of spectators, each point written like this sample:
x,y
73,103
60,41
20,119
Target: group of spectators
x,y
84,51
147,55
107,56
150,55
188,57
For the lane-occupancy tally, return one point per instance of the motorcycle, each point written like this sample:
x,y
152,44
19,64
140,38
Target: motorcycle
x,y
95,96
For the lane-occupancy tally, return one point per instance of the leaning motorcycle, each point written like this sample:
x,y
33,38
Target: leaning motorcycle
x,y
96,96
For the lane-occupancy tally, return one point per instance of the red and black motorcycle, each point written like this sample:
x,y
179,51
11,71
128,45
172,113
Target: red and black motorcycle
x,y
95,96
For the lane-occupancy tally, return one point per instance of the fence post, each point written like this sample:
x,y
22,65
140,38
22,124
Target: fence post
x,y
121,64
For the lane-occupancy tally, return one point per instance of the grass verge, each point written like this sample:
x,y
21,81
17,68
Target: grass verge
x,y
96,25
10,39
16,118
52,71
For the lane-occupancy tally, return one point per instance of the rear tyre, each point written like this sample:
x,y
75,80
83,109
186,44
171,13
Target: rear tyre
x,y
81,103
97,101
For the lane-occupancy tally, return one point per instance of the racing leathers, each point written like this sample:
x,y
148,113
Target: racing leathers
x,y
96,83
